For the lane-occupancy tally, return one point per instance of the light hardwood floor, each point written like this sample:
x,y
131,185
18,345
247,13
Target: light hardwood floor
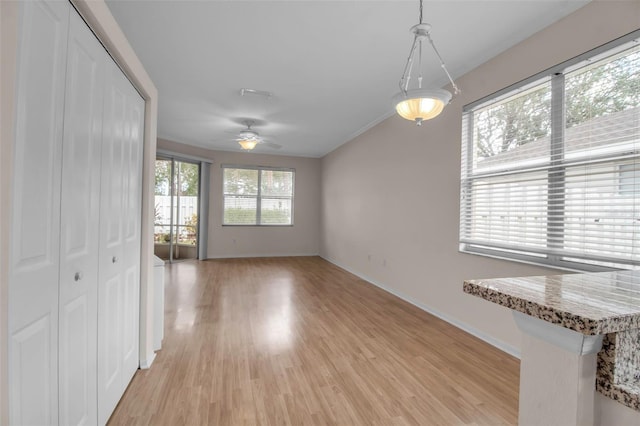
x,y
299,341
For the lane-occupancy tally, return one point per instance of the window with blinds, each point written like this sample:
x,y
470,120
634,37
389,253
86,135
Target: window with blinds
x,y
551,166
257,196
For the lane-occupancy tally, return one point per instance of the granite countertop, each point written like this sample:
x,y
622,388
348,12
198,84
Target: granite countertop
x,y
590,303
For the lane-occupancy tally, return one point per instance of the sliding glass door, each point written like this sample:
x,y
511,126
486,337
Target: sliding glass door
x,y
177,197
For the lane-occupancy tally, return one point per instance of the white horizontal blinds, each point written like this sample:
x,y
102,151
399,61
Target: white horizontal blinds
x,y
276,197
240,196
505,204
509,211
602,146
258,196
551,170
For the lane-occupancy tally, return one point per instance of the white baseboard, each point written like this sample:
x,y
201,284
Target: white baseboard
x,y
238,256
511,350
146,363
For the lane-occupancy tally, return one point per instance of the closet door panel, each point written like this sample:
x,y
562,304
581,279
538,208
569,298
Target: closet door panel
x,y
79,225
133,217
34,245
112,256
77,401
34,391
130,341
133,158
113,170
111,335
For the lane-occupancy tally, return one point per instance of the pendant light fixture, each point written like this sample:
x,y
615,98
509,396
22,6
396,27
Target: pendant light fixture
x,y
419,104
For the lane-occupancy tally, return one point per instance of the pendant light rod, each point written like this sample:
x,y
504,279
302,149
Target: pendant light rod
x,y
406,74
421,32
442,64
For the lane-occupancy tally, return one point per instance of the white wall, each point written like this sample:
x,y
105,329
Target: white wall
x,y
301,239
390,197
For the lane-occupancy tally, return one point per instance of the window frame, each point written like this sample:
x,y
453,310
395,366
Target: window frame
x,y
556,75
259,196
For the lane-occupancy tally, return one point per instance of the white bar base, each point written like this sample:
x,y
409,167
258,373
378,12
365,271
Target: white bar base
x,y
557,374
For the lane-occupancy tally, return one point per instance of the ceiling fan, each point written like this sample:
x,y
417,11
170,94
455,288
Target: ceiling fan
x,y
249,138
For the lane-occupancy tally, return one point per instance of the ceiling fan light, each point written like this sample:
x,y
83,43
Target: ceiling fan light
x,y
421,104
248,144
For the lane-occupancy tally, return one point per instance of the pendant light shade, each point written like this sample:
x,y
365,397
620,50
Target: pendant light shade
x,y
248,144
419,104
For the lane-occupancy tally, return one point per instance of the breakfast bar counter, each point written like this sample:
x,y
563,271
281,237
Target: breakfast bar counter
x,y
581,334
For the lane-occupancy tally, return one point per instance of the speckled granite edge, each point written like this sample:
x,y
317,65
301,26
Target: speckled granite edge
x,y
618,373
618,369
567,320
564,319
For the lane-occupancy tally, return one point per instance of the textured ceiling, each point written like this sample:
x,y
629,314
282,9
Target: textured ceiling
x,y
332,66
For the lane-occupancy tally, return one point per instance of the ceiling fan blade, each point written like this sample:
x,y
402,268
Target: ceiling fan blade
x,y
272,145
250,134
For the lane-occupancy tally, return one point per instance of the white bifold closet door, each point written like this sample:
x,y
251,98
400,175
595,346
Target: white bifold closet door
x,y
35,228
79,225
74,277
119,252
